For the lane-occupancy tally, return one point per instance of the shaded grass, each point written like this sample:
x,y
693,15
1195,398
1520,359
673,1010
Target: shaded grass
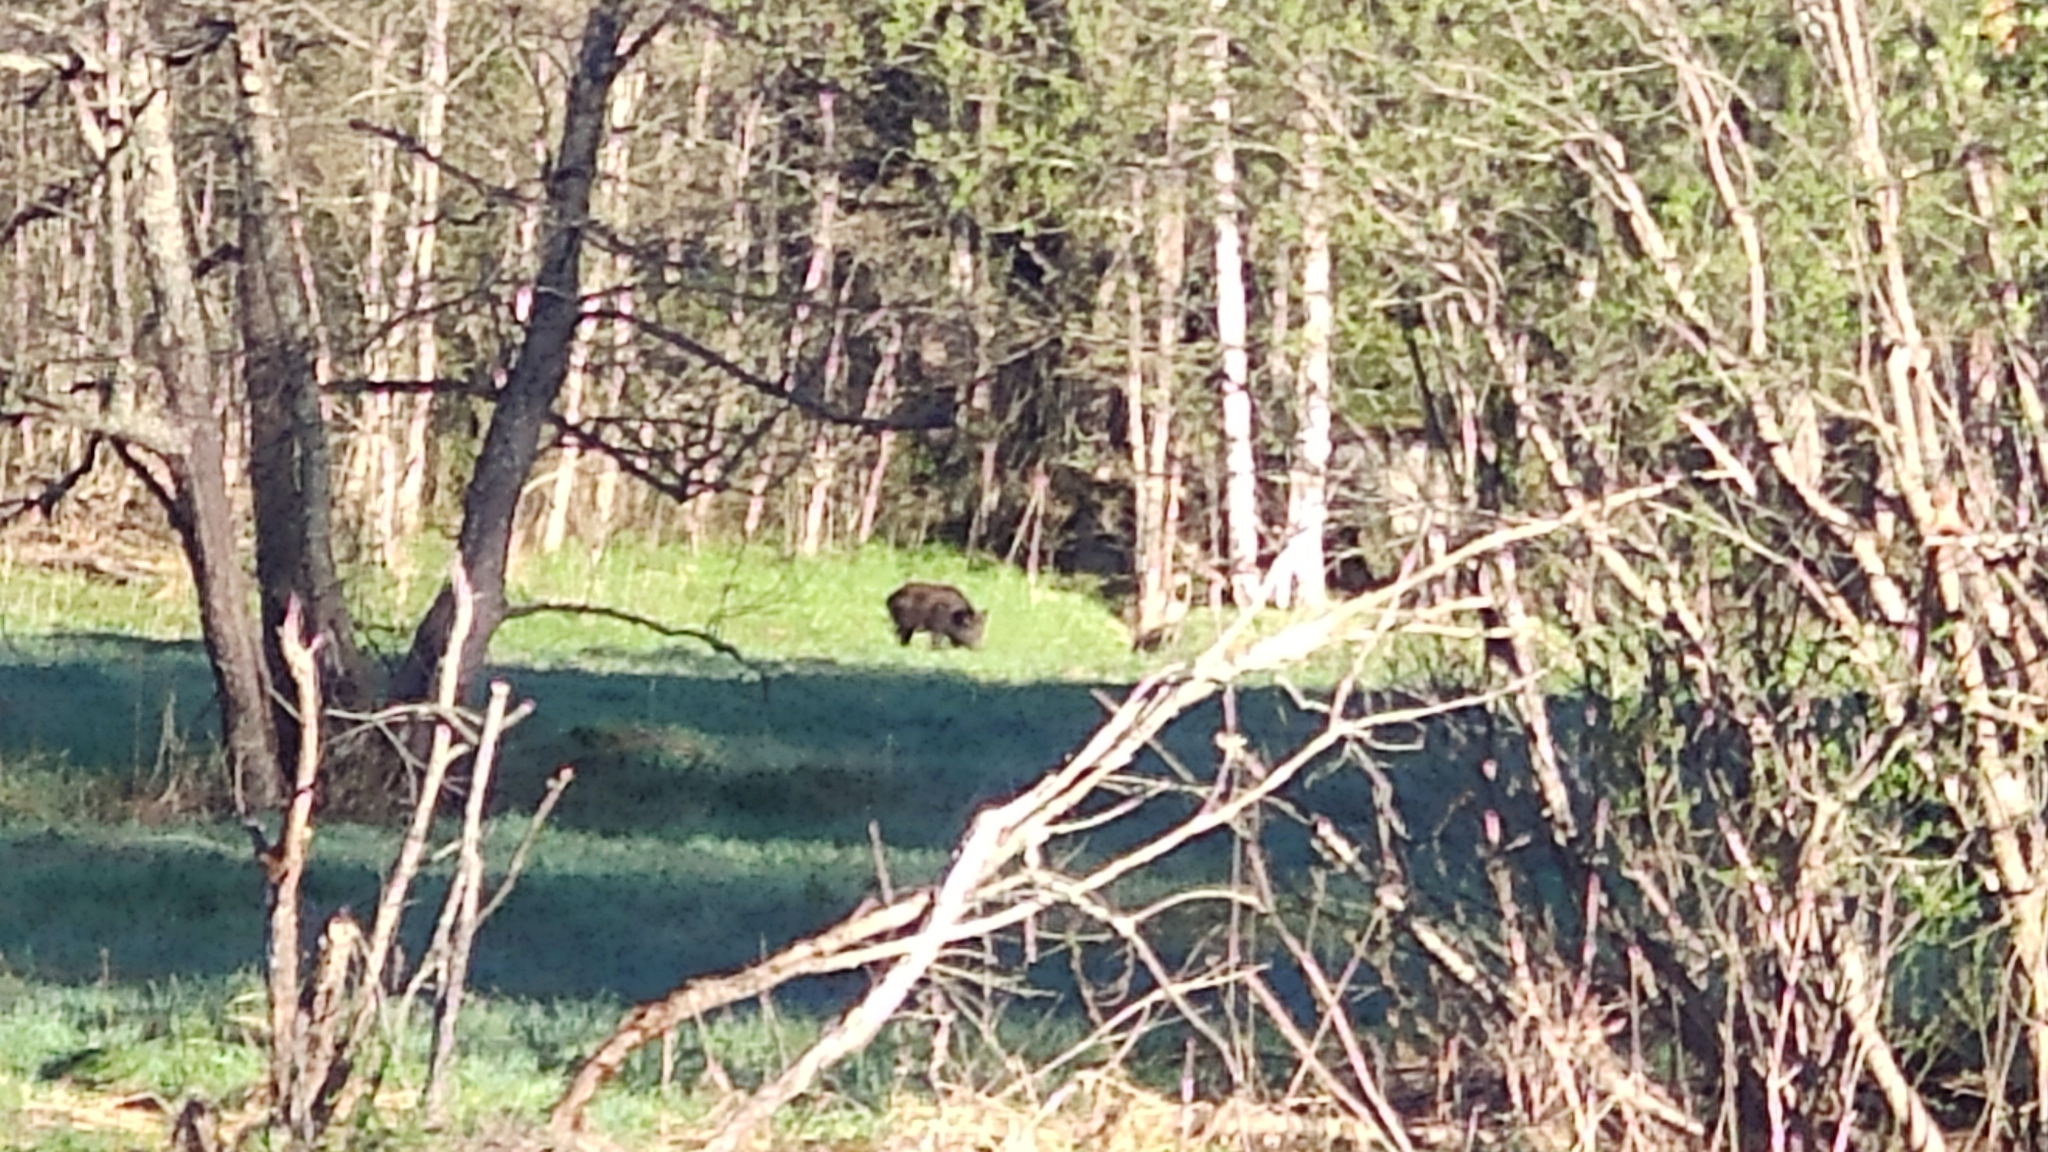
x,y
717,813
594,915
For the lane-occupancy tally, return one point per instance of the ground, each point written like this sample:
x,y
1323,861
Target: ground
x,y
722,807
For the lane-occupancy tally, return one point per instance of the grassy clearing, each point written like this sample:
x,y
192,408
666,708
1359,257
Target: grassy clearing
x,y
720,811
828,610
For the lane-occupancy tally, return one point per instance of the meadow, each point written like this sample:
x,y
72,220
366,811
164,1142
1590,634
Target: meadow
x,y
722,807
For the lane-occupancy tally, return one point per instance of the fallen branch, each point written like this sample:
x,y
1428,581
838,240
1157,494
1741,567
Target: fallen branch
x,y
608,613
975,897
838,948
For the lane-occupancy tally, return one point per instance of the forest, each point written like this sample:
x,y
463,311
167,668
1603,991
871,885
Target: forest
x,y
1561,482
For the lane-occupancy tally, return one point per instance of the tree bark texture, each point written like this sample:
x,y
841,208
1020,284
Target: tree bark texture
x,y
1240,464
421,239
199,506
289,459
1302,579
615,203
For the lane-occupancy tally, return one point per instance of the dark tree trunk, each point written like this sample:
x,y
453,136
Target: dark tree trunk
x,y
289,465
523,404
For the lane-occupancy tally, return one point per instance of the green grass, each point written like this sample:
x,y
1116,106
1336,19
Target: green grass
x,y
721,809
176,1039
36,603
828,610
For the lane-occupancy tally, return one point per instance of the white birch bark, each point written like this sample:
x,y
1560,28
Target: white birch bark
x,y
371,457
1307,493
608,277
881,394
824,464
1156,584
1240,465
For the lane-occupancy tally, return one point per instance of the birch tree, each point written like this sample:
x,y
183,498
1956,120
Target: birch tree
x,y
1300,566
417,287
612,283
1240,463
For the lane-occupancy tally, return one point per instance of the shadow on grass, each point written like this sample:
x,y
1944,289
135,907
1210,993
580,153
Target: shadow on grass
x,y
711,820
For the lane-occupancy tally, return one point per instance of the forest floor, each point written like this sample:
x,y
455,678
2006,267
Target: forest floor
x,y
722,807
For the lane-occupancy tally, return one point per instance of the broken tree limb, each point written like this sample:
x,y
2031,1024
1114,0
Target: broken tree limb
x,y
977,896
836,949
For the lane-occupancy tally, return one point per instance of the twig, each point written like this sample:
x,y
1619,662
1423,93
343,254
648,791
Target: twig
x,y
53,493
463,895
292,1096
556,784
1393,1135
834,950
398,883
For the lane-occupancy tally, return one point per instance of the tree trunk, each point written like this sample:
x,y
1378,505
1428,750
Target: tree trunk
x,y
613,204
289,463
964,276
421,239
618,370
1302,580
739,243
881,394
757,491
562,488
825,446
197,496
816,272
513,441
362,479
604,490
616,168
1240,465
1149,406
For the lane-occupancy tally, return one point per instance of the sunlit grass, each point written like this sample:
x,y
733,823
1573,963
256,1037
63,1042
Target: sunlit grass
x,y
67,1054
722,809
782,609
36,603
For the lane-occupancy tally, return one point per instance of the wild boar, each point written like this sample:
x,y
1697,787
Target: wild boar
x,y
939,609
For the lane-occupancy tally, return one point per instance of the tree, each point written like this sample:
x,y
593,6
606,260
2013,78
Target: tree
x,y
527,400
1240,469
190,445
290,466
1298,576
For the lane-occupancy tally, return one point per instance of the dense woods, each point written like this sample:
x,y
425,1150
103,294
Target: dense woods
x,y
1260,303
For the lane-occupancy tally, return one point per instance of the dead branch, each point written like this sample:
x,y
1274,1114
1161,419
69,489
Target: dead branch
x,y
141,429
566,607
848,944
398,882
557,783
457,931
796,397
53,493
291,1094
976,896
